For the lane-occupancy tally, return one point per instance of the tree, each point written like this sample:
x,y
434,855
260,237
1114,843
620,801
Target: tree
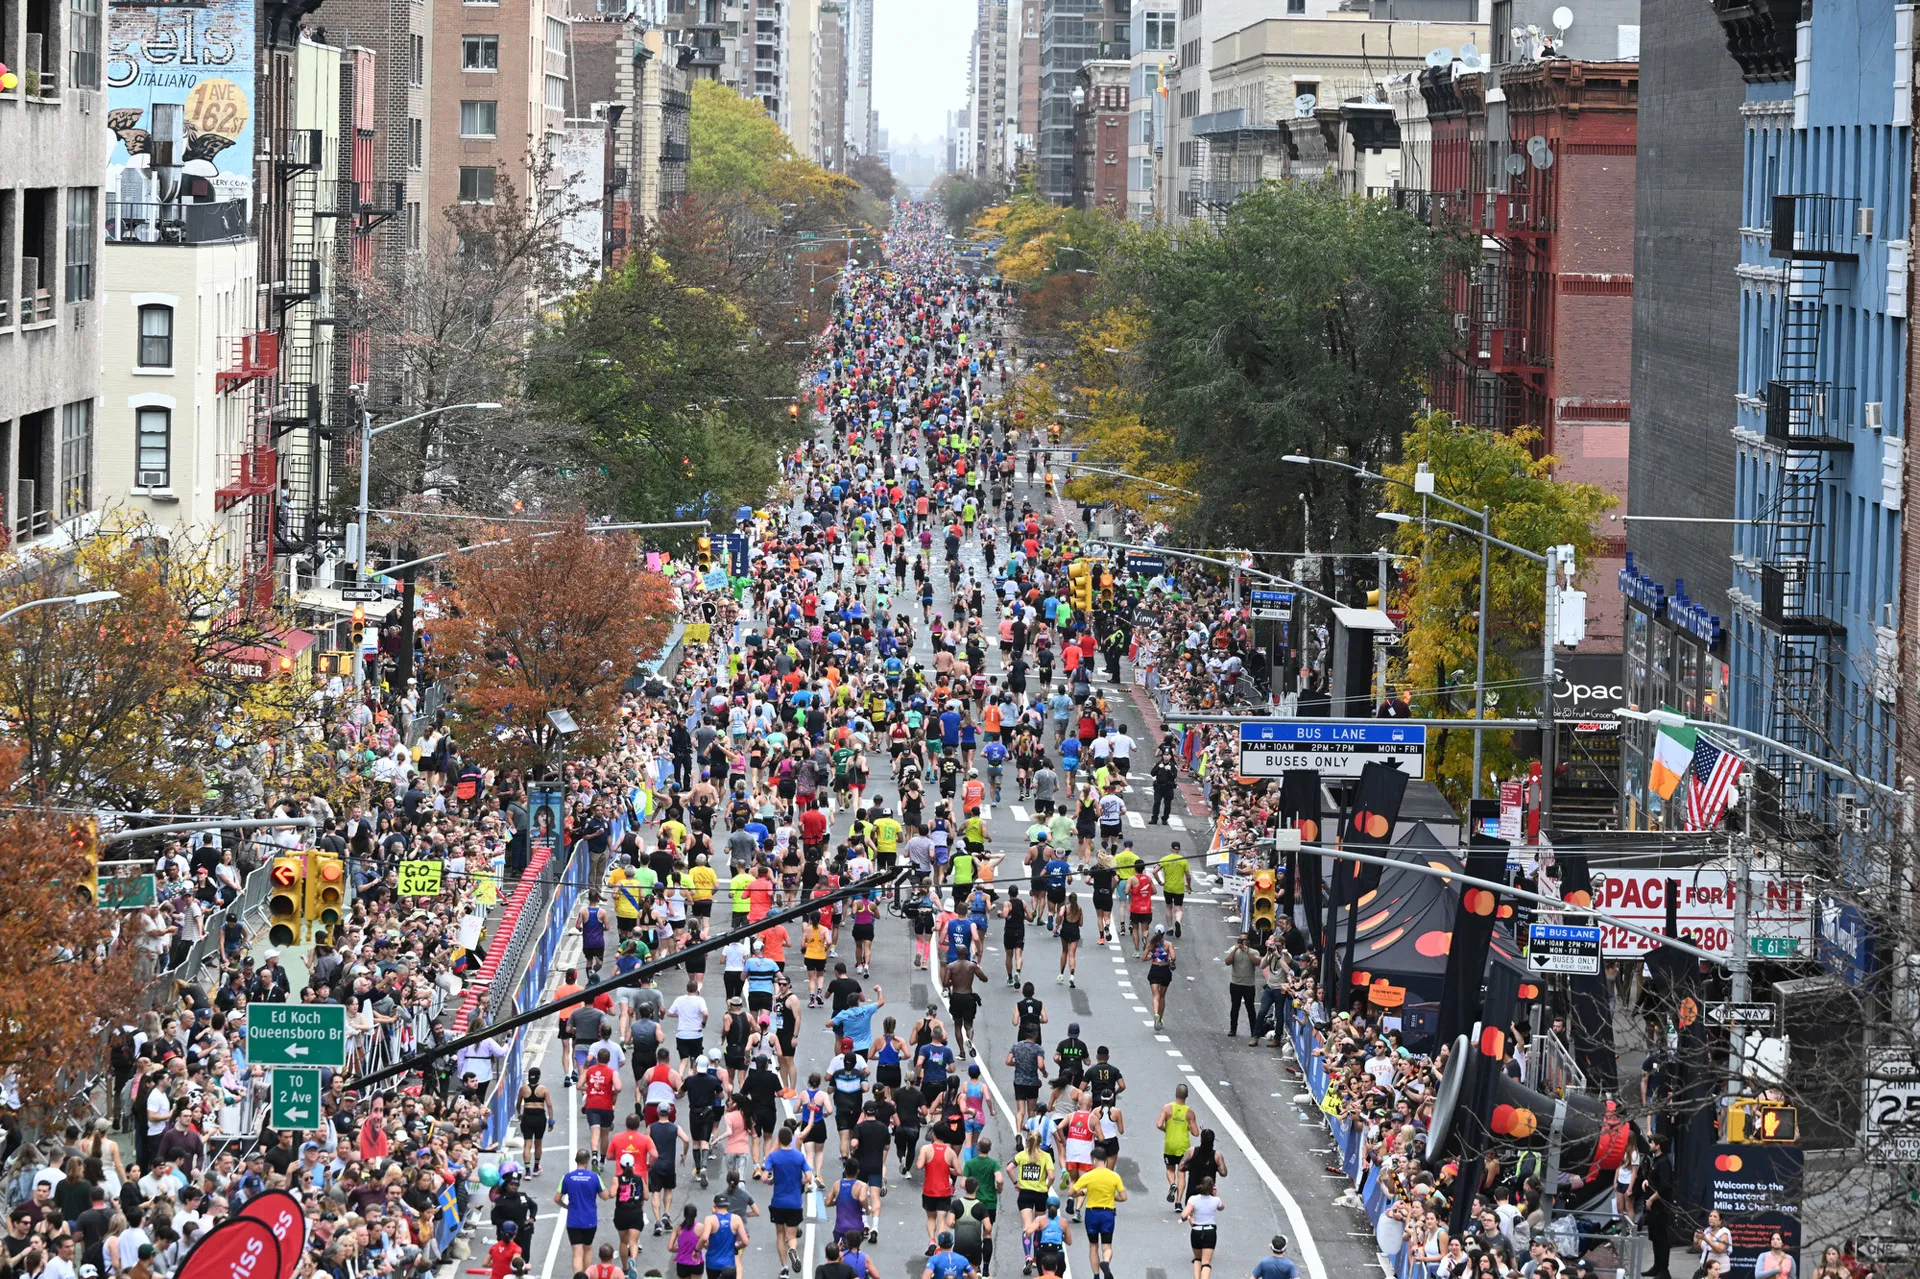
x,y
543,622
871,172
53,940
1303,325
1440,590
682,405
963,199
1114,433
145,701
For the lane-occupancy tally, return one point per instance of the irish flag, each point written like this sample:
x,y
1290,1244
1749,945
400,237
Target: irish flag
x,y
1672,754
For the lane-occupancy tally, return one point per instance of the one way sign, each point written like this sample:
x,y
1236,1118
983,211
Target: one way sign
x,y
1741,1016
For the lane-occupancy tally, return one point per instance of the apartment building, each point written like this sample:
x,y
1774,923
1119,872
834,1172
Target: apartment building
x,y
53,154
862,121
1100,118
1024,103
1072,34
802,66
1152,46
771,72
398,35
830,86
988,84
500,97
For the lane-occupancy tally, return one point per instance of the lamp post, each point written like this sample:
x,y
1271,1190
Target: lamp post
x,y
81,600
1423,482
367,431
1552,561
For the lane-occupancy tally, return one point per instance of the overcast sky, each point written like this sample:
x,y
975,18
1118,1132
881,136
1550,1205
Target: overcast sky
x,y
920,64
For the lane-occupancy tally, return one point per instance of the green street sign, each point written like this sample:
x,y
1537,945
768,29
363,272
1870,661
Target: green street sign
x,y
297,1035
296,1098
1774,947
127,892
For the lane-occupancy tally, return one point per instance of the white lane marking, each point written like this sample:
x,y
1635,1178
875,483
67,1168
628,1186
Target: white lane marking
x,y
1135,820
1165,1039
1020,814
1309,1250
1173,1052
1176,821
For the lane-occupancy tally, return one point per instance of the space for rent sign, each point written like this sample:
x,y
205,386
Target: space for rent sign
x,y
1780,910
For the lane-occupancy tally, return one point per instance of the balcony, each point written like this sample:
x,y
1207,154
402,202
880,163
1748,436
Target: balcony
x,y
255,356
1801,415
221,222
1796,597
1814,228
674,153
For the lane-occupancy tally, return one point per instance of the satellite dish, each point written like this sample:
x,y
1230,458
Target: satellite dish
x,y
1516,164
1303,106
1470,59
1543,159
1517,34
1535,145
1440,57
1562,18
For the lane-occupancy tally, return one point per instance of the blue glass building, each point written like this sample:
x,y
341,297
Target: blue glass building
x,y
1819,428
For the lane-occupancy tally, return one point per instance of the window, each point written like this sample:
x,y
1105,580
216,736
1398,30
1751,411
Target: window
x,y
476,184
479,119
82,229
153,448
1157,32
1296,6
557,92
416,144
84,56
413,226
76,459
479,53
556,35
156,337
417,70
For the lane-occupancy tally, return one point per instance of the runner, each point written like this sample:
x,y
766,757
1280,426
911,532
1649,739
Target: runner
x,y
581,1192
1178,1124
1160,964
1102,1191
535,1110
792,1176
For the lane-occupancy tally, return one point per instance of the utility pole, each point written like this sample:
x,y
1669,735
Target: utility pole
x,y
1548,732
1380,664
1480,658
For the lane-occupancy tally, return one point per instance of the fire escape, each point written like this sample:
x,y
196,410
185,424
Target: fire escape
x,y
1799,584
1511,307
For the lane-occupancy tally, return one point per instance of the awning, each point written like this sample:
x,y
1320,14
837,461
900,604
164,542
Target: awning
x,y
261,661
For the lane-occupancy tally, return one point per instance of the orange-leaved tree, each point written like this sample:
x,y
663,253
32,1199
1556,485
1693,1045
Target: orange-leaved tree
x,y
61,987
545,622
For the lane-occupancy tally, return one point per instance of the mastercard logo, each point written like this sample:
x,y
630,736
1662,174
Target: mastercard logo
x,y
1726,1163
1492,1040
1372,825
1529,991
1505,912
1478,901
1309,829
1514,1121
1579,897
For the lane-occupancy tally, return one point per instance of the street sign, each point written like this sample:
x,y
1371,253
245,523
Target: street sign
x,y
1890,1119
296,1098
1270,599
1558,948
361,594
127,892
1269,615
1742,1016
1144,564
297,1035
1330,747
1773,947
420,879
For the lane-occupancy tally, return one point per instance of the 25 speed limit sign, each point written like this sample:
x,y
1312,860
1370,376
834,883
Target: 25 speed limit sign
x,y
1890,1122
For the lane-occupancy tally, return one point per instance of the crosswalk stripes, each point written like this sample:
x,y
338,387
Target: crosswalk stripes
x,y
1176,821
1135,820
1020,814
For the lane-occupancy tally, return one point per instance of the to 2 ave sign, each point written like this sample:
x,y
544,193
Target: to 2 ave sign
x,y
1330,747
1890,1120
1777,908
297,1035
296,1098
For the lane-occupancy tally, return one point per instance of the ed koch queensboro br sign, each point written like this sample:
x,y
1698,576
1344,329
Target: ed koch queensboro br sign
x,y
297,1035
1330,747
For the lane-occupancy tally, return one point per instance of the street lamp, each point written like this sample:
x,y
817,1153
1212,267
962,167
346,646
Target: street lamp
x,y
367,431
81,600
1552,562
1423,481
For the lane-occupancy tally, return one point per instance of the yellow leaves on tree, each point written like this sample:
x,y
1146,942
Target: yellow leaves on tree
x,y
739,151
140,702
543,623
1441,579
52,940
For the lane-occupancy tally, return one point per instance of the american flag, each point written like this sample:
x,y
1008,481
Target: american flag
x,y
1710,777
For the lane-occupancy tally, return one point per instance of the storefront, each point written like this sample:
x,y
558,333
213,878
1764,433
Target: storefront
x,y
1675,658
1586,695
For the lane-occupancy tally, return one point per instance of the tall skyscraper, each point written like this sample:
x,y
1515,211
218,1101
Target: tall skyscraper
x,y
1072,34
861,118
989,82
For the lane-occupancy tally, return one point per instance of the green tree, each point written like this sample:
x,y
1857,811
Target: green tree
x,y
1304,324
684,405
963,199
1440,585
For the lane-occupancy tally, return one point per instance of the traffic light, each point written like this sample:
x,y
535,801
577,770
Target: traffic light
x,y
1754,1122
1373,598
326,892
359,616
703,552
1080,585
1106,582
793,412
286,900
84,835
1264,909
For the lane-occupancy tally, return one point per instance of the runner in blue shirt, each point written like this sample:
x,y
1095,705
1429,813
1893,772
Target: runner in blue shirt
x,y
581,1191
1276,1265
934,1060
946,1263
856,1023
791,1176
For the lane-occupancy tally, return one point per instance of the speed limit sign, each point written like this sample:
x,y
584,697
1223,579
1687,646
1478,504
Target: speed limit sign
x,y
1890,1122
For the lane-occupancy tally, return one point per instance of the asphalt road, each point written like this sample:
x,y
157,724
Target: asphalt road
x,y
1275,1150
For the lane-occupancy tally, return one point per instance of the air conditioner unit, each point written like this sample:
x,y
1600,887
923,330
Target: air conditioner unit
x,y
1873,414
151,479
1863,223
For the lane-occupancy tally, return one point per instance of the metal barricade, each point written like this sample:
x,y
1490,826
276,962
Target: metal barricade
x,y
549,928
1551,1068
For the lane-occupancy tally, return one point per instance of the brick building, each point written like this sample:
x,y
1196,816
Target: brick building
x,y
1100,119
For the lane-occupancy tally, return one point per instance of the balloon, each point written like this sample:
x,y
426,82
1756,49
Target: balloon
x,y
489,1174
9,81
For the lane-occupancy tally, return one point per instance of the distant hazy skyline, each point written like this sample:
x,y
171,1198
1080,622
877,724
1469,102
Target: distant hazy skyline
x,y
920,64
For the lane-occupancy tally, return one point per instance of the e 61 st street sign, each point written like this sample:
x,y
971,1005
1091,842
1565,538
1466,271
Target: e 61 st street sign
x,y
297,1035
296,1098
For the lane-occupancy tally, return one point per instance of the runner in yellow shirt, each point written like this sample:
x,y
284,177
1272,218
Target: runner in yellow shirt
x,y
886,840
1103,1191
1173,884
624,884
701,881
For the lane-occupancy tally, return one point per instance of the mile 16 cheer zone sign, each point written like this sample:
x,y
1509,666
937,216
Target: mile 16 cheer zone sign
x,y
1330,747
